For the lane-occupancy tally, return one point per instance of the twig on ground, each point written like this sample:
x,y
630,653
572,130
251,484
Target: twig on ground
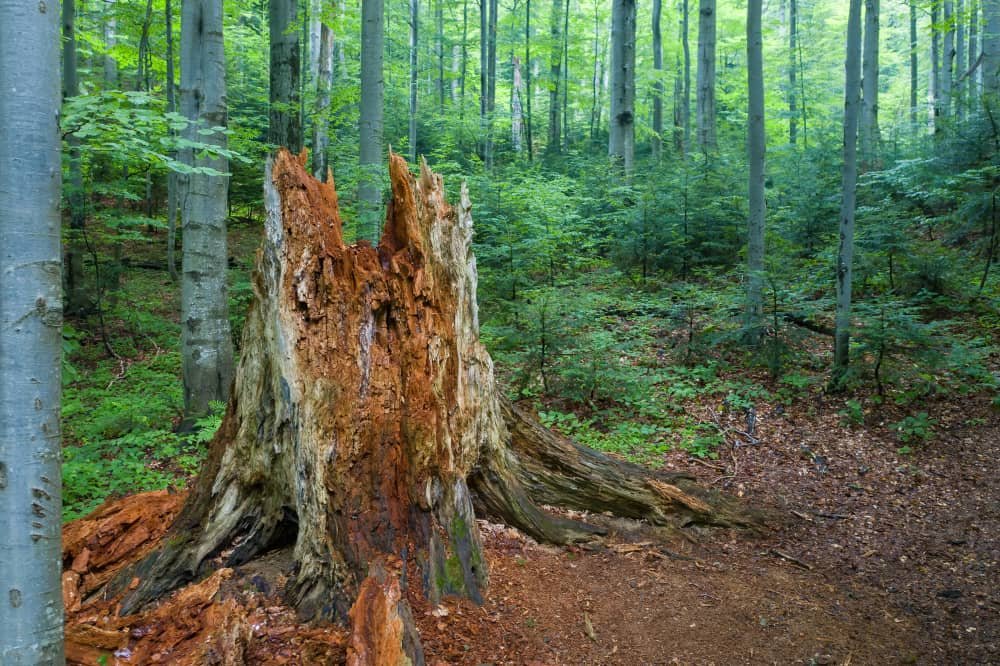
x,y
794,560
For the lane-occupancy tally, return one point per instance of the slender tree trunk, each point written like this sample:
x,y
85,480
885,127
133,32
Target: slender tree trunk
x,y
285,127
439,49
370,120
321,120
110,41
597,77
793,36
414,27
991,54
972,90
869,130
491,81
565,77
948,60
914,73
657,140
621,137
705,107
960,57
77,299
456,72
527,83
756,150
315,38
206,342
172,177
516,114
934,89
31,631
554,144
484,67
465,57
145,58
686,92
845,252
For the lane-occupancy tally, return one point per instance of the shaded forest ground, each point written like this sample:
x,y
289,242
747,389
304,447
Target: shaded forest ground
x,y
871,555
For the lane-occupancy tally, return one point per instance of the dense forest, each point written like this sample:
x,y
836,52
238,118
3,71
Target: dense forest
x,y
699,230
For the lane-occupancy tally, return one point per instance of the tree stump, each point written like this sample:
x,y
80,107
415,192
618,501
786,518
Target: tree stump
x,y
365,422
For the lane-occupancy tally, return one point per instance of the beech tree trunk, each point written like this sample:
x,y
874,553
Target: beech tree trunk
x,y
869,130
31,622
554,145
657,139
705,105
845,252
621,135
366,424
285,128
756,147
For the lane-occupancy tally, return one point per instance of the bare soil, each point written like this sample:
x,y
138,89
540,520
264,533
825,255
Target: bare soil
x,y
870,557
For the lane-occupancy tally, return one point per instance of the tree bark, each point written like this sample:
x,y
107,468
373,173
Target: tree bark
x,y
960,58
31,631
705,106
793,38
914,74
991,53
414,28
439,49
77,299
366,422
657,140
172,179
845,252
285,125
110,41
206,341
621,137
686,90
516,113
934,89
756,149
321,121
869,130
553,145
370,119
948,60
527,79
972,92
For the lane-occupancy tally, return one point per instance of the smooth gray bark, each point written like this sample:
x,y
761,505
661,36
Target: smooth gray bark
x,y
972,91
948,59
686,89
370,122
845,251
756,149
793,38
439,49
414,28
657,140
491,79
77,299
31,630
934,87
554,143
914,73
869,130
110,40
958,93
321,123
516,110
621,135
206,341
705,104
527,80
285,125
991,53
171,176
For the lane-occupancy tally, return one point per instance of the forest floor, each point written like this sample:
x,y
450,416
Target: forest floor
x,y
869,557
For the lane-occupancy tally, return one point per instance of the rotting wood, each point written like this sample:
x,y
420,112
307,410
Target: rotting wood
x,y
365,420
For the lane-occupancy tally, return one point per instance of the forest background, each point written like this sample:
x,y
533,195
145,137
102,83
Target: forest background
x,y
615,294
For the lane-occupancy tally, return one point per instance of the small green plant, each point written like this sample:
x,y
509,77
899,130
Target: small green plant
x,y
914,429
853,414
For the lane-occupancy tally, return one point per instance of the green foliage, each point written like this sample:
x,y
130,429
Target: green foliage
x,y
853,413
914,428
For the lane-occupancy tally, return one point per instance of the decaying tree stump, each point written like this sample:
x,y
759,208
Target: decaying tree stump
x,y
365,421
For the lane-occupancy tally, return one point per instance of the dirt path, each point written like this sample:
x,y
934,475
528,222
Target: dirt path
x,y
902,553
